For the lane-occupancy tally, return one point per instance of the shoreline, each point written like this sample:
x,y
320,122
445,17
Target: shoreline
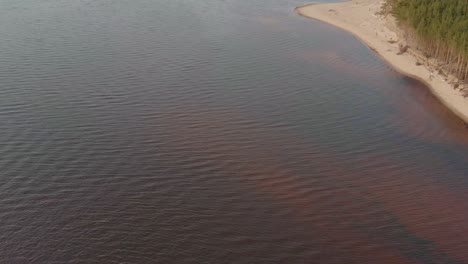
x,y
360,18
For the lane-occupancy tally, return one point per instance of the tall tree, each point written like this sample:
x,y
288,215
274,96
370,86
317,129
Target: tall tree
x,y
441,29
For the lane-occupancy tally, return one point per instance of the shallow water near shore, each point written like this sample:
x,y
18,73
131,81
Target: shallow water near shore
x,y
217,132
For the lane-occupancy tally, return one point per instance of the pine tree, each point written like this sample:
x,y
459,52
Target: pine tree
x,y
441,29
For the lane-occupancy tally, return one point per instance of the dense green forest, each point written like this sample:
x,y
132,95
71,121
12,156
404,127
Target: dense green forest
x,y
441,28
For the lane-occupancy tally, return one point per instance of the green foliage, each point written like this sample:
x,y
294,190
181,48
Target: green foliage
x,y
441,26
437,20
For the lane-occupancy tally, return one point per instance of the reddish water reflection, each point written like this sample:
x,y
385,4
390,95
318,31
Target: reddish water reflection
x,y
357,212
421,115
418,113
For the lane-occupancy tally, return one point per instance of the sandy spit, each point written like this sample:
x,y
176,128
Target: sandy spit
x,y
361,18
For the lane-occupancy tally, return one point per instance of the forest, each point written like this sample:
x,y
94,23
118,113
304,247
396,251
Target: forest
x,y
440,28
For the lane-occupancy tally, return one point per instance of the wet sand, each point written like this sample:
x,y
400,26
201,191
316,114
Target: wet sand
x,y
361,18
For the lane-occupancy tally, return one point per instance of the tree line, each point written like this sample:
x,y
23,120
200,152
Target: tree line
x,y
441,30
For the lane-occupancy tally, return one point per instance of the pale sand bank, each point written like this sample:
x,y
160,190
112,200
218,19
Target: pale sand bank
x,y
360,18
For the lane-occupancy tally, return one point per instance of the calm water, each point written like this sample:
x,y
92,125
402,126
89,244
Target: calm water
x,y
217,131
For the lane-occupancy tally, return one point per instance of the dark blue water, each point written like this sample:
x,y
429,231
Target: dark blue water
x,y
157,131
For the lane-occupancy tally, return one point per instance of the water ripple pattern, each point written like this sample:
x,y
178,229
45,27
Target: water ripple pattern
x,y
157,131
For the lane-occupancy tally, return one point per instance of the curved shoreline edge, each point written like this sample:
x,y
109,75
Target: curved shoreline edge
x,y
361,20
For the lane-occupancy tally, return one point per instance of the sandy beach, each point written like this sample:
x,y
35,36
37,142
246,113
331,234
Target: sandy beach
x,y
379,32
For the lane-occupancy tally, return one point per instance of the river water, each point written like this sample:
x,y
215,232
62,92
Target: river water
x,y
217,131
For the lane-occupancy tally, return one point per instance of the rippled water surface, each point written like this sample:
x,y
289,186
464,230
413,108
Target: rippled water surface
x,y
217,131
